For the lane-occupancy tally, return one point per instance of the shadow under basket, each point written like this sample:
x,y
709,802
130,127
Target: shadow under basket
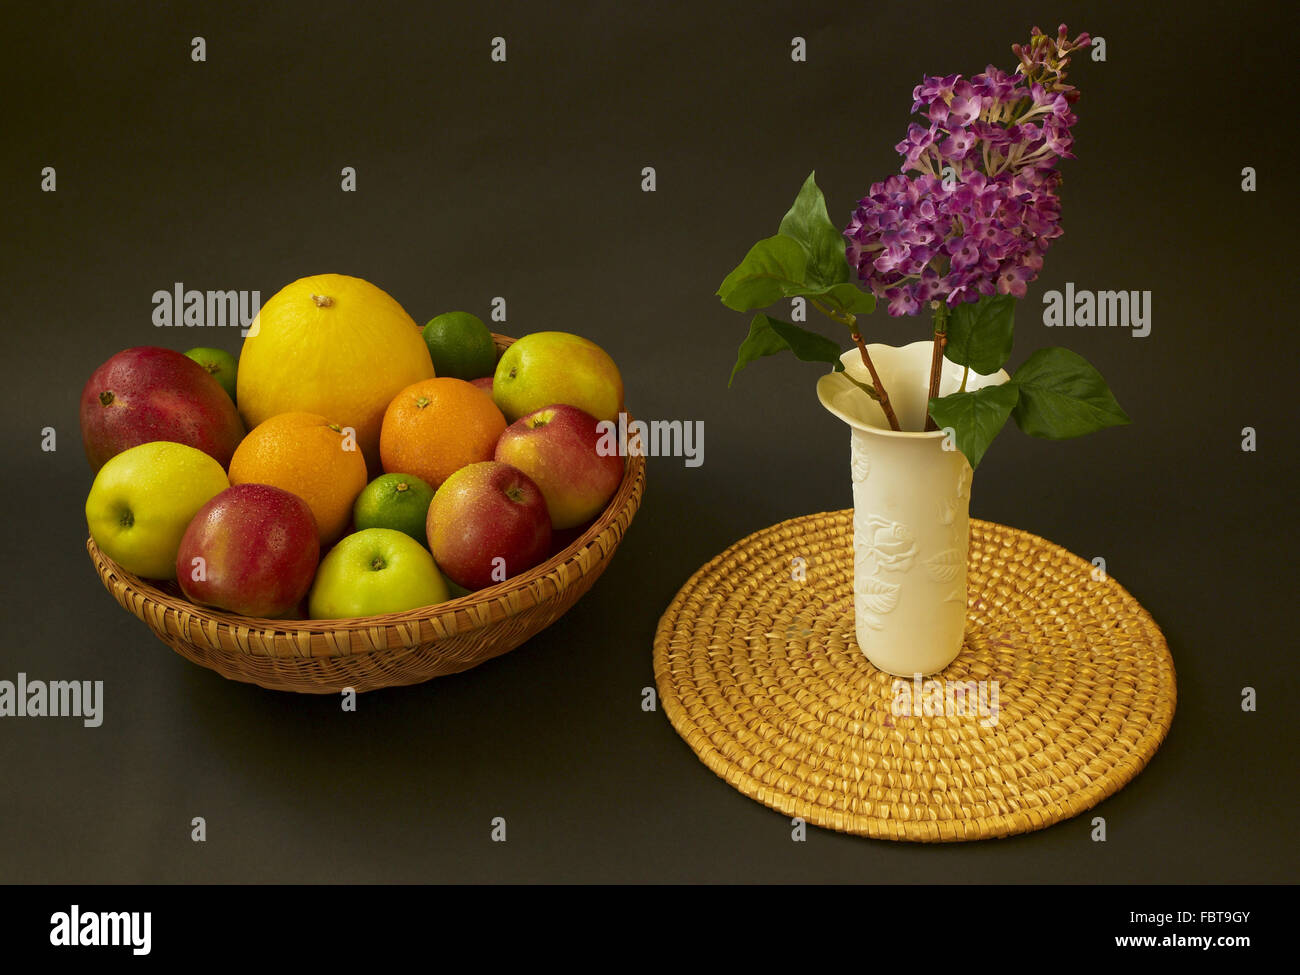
x,y
325,656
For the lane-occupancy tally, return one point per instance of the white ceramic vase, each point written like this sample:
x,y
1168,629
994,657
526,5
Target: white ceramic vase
x,y
911,510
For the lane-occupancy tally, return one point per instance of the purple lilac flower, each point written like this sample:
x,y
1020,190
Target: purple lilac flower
x,y
983,229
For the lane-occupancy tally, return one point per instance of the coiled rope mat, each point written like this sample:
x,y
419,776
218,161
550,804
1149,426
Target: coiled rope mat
x,y
762,676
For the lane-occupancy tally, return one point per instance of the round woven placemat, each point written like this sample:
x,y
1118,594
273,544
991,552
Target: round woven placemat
x,y
763,678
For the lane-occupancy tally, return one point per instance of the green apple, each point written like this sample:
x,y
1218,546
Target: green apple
x,y
554,368
372,572
144,498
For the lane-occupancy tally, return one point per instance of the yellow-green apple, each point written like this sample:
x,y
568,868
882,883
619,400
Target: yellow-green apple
x,y
146,394
545,368
488,522
557,447
372,572
144,498
251,550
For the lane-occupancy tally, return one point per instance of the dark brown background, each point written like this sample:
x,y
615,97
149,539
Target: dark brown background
x,y
522,179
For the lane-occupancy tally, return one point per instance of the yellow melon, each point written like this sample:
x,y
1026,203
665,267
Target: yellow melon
x,y
333,345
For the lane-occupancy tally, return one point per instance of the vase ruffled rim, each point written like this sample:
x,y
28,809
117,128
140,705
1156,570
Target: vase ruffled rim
x,y
835,386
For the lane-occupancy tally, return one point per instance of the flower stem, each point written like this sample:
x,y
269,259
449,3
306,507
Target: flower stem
x,y
851,321
941,313
885,405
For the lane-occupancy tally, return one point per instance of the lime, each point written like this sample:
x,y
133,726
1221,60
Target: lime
x,y
461,346
220,363
396,501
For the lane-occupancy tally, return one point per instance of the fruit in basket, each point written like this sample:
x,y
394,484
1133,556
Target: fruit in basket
x,y
310,456
397,501
333,345
220,364
144,498
435,427
148,394
546,368
251,550
557,447
488,522
372,572
460,346
484,383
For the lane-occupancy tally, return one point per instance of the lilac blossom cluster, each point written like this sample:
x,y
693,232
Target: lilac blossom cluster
x,y
977,205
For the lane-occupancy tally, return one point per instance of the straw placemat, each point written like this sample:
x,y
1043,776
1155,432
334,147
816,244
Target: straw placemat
x,y
762,676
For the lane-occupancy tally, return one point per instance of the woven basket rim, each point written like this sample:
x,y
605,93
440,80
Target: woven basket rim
x,y
537,585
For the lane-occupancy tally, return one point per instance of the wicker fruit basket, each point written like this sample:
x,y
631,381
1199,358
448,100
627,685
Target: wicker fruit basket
x,y
325,656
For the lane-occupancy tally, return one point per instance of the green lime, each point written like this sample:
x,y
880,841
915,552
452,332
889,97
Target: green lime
x,y
397,501
461,346
220,363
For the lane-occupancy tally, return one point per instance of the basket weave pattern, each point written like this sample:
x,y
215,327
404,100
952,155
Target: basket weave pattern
x,y
325,656
762,676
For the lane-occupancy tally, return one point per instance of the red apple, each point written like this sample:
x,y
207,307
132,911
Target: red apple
x,y
486,523
145,394
484,383
251,550
557,447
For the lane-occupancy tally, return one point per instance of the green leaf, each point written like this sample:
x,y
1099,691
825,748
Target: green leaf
x,y
979,334
768,336
976,417
774,268
1062,396
808,223
848,298
805,259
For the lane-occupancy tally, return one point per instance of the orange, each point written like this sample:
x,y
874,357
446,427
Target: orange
x,y
307,455
435,427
